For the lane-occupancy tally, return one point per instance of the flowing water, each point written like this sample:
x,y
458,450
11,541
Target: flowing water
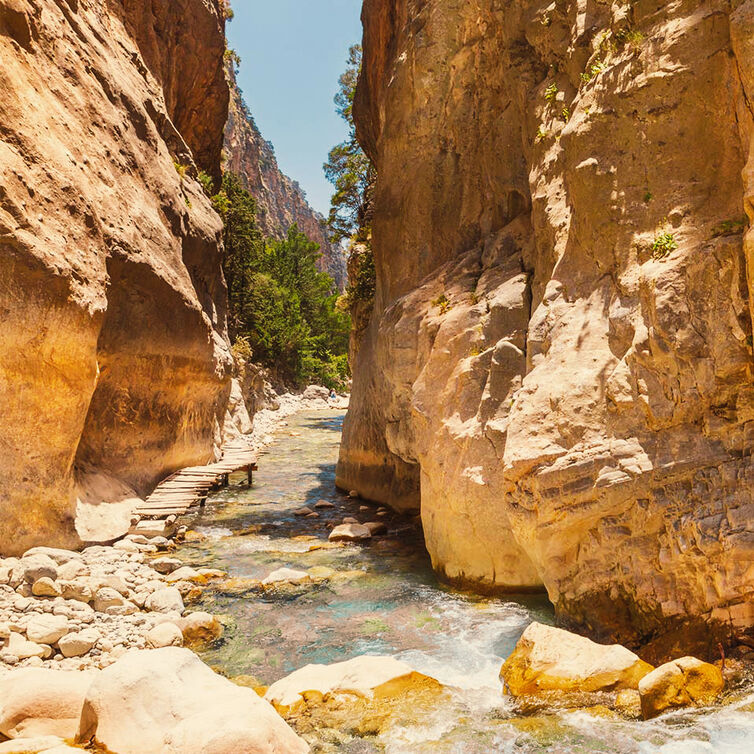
x,y
386,600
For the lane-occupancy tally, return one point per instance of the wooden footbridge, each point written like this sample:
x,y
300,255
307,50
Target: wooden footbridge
x,y
189,487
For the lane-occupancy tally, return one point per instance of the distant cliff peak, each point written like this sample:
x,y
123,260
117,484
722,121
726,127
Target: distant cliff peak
x,y
281,201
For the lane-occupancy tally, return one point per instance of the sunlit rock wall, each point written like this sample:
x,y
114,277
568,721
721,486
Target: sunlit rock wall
x,y
558,369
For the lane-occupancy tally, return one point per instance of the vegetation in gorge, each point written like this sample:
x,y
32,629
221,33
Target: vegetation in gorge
x,y
354,176
281,307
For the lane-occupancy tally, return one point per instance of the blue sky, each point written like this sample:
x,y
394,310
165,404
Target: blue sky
x,y
292,53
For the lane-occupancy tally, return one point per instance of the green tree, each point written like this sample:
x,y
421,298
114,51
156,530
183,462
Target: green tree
x,y
280,304
347,167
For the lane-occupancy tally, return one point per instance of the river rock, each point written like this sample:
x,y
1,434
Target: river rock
x,y
45,587
353,695
166,565
548,659
73,569
40,702
302,511
685,682
77,590
286,575
165,635
36,745
59,556
376,527
78,644
168,701
107,597
350,533
324,504
23,649
37,566
165,600
184,573
46,629
200,628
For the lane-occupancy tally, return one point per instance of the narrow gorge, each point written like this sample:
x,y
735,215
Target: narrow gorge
x,y
558,367
513,513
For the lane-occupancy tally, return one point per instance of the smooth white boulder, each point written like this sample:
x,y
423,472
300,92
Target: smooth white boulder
x,y
359,677
165,635
39,702
79,643
287,576
169,701
34,745
350,532
165,600
549,659
19,646
46,628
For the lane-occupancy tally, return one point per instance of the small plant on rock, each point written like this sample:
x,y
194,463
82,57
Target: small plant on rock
x,y
208,184
729,228
443,302
593,70
551,92
663,245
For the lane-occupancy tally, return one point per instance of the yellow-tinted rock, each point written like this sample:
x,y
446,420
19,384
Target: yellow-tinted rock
x,y
550,659
628,703
681,683
361,694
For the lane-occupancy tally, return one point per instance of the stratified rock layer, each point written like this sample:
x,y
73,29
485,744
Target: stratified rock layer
x,y
280,200
558,369
113,354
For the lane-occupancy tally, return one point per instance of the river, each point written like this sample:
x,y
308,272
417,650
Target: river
x,y
385,599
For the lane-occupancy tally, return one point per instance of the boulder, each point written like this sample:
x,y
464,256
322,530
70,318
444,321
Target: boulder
x,y
107,597
39,702
359,695
286,576
23,649
548,659
350,533
46,629
316,392
685,682
78,644
34,745
37,566
165,635
200,628
184,573
303,511
56,554
45,587
168,701
376,527
77,590
165,600
166,565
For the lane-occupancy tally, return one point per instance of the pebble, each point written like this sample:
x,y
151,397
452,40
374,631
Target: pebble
x,y
324,504
302,511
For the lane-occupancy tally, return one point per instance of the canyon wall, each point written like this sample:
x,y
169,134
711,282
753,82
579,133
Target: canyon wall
x,y
280,201
114,364
558,366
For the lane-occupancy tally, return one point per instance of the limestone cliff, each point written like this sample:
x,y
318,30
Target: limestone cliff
x,y
558,369
280,201
114,360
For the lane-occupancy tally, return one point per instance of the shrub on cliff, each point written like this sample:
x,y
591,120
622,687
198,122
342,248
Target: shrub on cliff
x,y
279,302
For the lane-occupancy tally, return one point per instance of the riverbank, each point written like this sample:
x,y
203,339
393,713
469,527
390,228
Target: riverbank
x,y
274,602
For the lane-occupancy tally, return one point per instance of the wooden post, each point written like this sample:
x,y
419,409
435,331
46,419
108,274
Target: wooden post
x,y
250,474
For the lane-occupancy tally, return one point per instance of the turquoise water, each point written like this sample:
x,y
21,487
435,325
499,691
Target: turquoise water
x,y
385,599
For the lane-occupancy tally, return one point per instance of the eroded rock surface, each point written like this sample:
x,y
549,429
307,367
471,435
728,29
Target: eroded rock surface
x,y
113,354
558,367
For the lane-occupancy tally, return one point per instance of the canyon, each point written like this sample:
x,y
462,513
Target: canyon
x,y
280,200
557,371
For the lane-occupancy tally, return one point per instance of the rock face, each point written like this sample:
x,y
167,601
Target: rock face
x,y
113,360
558,367
280,200
549,659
